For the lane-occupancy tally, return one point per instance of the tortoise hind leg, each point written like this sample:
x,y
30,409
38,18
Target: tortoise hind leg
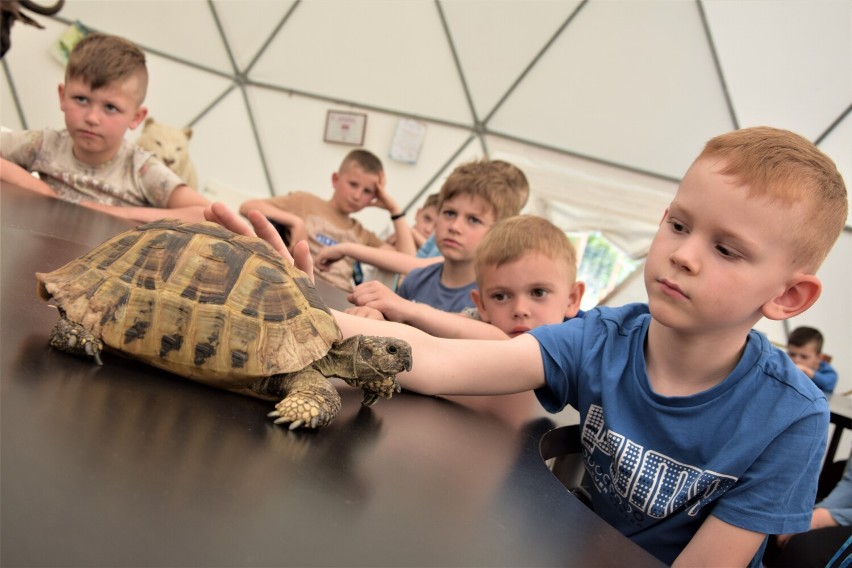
x,y
310,400
73,338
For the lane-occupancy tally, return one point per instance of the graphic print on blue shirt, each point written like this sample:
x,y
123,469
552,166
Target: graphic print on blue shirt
x,y
644,482
325,240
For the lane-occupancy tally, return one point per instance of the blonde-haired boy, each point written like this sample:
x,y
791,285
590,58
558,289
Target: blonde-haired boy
x,y
90,162
690,419
526,270
526,274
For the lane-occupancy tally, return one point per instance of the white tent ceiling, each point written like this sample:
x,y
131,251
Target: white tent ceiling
x,y
596,98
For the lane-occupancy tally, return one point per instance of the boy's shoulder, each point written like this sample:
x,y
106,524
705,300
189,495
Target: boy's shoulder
x,y
425,272
622,317
781,373
38,138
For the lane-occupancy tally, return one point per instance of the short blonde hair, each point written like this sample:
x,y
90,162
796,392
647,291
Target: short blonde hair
x,y
513,237
101,59
481,178
789,169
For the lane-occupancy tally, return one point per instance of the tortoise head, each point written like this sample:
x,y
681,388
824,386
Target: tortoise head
x,y
370,357
369,363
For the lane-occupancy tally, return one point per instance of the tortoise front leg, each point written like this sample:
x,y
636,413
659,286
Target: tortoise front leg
x,y
73,338
310,400
384,387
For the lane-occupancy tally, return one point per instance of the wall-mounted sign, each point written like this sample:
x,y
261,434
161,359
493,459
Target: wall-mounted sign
x,y
345,127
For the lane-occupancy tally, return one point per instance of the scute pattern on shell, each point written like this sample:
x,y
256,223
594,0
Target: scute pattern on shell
x,y
196,300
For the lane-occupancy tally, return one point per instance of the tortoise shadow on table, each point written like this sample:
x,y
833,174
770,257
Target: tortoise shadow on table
x,y
132,421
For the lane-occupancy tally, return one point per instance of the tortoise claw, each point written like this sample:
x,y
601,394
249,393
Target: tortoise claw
x,y
279,419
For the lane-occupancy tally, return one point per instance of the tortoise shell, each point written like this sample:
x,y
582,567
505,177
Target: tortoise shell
x,y
197,300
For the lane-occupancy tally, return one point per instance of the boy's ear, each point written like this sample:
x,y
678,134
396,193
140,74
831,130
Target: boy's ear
x,y
477,300
140,115
61,90
576,297
799,295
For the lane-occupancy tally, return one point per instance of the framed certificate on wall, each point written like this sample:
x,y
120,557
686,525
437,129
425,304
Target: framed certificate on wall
x,y
345,127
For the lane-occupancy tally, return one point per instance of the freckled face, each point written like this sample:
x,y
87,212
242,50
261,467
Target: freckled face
x,y
98,119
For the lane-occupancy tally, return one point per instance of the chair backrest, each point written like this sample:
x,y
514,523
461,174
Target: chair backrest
x,y
563,454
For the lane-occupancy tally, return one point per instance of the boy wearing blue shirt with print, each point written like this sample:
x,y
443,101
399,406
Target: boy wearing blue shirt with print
x,y
689,418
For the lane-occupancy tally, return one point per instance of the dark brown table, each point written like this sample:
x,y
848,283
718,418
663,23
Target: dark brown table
x,y
125,465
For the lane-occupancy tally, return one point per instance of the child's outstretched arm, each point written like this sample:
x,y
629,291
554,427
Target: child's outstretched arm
x,y
441,366
184,203
13,173
385,259
375,295
458,366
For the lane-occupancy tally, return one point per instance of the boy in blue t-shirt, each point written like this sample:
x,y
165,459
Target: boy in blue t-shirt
x,y
690,419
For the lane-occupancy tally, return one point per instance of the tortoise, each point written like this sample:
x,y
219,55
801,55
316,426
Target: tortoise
x,y
222,309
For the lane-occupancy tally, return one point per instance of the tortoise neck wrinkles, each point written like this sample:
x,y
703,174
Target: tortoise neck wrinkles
x,y
343,359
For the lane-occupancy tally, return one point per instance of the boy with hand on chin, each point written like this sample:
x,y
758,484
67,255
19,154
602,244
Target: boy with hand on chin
x,y
90,162
690,419
359,182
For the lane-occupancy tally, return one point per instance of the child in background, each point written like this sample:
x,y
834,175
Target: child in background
x,y
473,198
804,346
526,271
90,163
428,253
516,178
690,419
526,275
358,183
424,221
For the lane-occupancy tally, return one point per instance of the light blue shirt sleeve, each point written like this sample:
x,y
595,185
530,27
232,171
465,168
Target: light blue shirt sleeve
x,y
429,248
825,377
